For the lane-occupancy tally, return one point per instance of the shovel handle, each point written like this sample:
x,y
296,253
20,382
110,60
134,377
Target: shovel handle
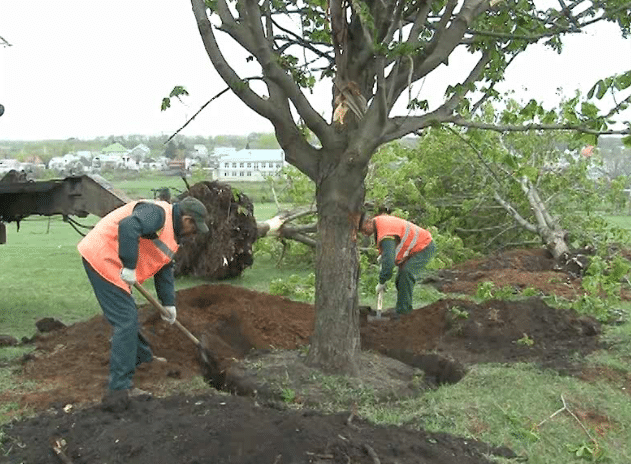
x,y
380,301
162,310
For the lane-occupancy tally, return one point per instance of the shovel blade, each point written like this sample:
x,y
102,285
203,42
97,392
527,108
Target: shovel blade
x,y
377,317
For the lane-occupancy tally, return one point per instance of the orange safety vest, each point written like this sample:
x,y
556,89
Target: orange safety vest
x,y
411,237
100,246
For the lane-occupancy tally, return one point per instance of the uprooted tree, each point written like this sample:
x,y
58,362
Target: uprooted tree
x,y
495,190
374,52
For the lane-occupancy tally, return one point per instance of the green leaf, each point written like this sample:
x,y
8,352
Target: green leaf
x,y
596,86
623,81
589,110
602,89
530,172
177,91
166,103
510,161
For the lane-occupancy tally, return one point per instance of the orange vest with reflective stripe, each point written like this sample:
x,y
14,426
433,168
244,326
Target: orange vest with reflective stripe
x,y
411,238
100,246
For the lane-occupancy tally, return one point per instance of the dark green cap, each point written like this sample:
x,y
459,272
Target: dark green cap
x,y
190,206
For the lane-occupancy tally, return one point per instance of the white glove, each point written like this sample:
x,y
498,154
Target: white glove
x,y
128,275
379,259
380,288
172,314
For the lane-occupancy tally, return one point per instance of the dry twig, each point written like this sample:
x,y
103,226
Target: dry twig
x,y
565,408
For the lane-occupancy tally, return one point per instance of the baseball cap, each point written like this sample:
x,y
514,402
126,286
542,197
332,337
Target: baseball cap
x,y
190,206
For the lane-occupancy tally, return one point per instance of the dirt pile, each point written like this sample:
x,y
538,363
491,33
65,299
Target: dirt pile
x,y
72,366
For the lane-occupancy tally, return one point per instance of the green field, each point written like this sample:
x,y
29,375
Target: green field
x,y
507,405
624,222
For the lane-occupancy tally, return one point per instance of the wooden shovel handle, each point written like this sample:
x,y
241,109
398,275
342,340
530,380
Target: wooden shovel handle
x,y
162,309
380,301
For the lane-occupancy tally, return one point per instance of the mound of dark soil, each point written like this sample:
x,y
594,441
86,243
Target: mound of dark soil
x,y
218,429
249,333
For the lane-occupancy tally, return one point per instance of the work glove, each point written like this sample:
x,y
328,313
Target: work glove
x,y
380,288
379,259
128,275
172,314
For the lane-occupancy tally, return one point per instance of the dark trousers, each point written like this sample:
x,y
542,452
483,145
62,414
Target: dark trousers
x,y
129,346
407,276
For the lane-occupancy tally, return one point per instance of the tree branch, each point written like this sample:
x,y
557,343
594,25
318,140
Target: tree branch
x,y
460,121
515,214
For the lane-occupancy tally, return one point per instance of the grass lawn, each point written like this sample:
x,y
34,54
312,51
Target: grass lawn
x,y
41,275
624,222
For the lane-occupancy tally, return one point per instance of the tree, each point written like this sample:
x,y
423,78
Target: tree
x,y
374,52
170,150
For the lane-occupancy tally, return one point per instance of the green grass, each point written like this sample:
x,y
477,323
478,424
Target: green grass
x,y
41,275
624,222
512,406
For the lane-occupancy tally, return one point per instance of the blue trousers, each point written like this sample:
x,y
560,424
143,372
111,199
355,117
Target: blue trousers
x,y
407,276
129,347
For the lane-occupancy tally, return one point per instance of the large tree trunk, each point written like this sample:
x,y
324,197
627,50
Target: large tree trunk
x,y
335,344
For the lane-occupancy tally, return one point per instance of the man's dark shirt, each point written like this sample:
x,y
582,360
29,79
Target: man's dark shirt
x,y
146,220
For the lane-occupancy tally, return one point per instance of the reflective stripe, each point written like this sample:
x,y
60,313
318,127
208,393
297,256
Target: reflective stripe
x,y
403,239
160,245
410,247
412,244
411,238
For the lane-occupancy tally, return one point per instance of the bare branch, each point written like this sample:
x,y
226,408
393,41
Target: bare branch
x,y
227,73
195,115
460,121
407,124
515,214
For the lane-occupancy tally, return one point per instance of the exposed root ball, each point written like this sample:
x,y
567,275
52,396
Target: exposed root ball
x,y
227,249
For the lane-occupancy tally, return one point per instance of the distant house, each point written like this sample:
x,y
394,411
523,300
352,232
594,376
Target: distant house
x,y
140,152
9,164
224,151
111,157
104,160
85,154
249,165
115,149
70,163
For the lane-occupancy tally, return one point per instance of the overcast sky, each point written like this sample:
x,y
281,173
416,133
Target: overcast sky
x,y
82,68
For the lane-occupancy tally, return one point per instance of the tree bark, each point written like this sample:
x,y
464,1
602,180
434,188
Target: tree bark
x,y
335,344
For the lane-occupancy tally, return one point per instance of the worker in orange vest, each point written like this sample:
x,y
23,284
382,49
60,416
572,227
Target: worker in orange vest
x,y
405,245
131,244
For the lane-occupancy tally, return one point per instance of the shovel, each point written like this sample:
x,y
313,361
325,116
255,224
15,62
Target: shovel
x,y
204,353
378,316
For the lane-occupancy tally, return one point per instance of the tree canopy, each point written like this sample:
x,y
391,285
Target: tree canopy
x,y
376,55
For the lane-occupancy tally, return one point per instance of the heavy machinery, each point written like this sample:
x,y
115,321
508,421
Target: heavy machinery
x,y
72,196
